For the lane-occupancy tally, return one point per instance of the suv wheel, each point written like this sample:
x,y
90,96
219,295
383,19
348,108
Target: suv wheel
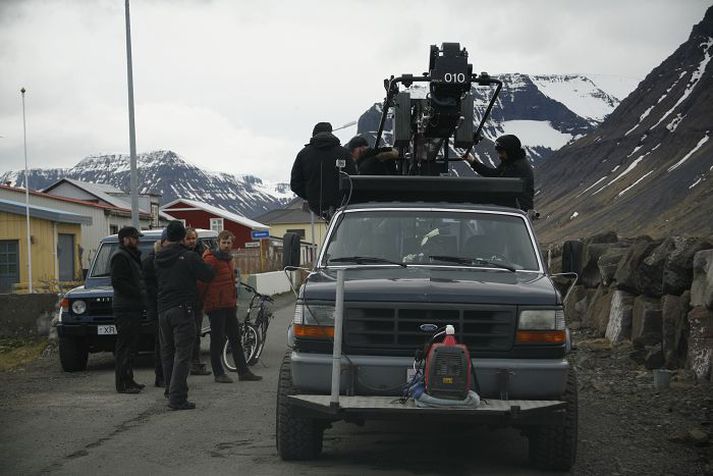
x,y
298,438
73,354
555,447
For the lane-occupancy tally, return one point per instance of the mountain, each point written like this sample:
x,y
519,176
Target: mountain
x,y
164,172
647,168
545,111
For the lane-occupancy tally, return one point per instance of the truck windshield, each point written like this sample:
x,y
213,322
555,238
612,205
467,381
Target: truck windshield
x,y
443,238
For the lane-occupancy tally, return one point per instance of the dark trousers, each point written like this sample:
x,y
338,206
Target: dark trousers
x,y
158,362
224,322
177,333
196,357
128,329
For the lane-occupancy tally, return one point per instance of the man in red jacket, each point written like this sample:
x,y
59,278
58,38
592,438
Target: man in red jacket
x,y
220,300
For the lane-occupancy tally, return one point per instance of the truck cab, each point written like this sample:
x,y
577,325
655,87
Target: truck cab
x,y
409,263
85,321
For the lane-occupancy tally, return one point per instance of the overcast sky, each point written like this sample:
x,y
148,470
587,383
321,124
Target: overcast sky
x,y
236,85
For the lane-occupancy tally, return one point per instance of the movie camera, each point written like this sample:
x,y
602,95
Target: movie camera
x,y
425,129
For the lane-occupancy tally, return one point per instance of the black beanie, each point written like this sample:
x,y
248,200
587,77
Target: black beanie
x,y
175,231
356,141
510,144
321,127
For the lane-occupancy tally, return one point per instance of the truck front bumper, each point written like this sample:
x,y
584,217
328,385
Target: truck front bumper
x,y
531,379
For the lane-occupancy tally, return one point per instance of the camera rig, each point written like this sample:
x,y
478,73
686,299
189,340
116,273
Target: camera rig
x,y
423,127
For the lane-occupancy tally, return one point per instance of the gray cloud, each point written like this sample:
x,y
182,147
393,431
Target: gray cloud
x,y
237,86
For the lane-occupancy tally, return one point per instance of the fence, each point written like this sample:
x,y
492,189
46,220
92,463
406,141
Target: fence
x,y
268,256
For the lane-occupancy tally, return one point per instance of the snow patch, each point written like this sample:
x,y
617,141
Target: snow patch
x,y
671,126
592,186
574,215
634,184
578,93
690,153
695,183
534,133
625,172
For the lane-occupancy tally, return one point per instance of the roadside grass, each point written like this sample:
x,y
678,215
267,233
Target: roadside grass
x,y
15,352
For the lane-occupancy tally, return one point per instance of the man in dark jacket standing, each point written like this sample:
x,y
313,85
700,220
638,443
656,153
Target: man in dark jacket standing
x,y
513,163
128,305
315,173
177,270
197,367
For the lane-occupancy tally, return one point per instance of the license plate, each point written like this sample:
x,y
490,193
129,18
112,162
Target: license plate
x,y
106,330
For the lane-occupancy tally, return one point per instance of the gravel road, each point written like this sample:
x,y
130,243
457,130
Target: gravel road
x,y
62,423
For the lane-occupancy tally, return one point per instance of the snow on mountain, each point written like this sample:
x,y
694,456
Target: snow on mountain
x,y
648,168
579,94
165,173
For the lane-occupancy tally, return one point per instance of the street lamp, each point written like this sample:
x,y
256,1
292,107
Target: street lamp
x,y
27,195
132,127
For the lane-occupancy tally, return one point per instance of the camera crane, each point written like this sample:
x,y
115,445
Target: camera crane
x,y
423,128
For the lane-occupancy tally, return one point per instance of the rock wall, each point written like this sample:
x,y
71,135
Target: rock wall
x,y
26,315
657,294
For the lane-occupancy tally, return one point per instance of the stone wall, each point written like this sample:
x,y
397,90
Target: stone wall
x,y
657,294
27,315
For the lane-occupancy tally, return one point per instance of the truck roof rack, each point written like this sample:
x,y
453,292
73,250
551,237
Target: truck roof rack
x,y
397,188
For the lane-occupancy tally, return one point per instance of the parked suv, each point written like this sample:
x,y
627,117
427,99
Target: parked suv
x,y
86,323
476,267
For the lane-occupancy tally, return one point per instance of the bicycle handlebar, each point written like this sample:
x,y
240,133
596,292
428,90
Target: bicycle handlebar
x,y
254,291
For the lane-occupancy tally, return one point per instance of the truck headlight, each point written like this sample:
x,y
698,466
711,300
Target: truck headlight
x,y
79,307
314,321
541,326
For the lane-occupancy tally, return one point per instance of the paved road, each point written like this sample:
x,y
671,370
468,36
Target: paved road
x,y
61,423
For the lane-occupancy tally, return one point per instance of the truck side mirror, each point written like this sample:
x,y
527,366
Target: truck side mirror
x,y
290,250
572,256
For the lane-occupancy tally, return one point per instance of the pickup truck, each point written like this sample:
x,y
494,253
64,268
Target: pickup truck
x,y
85,322
408,263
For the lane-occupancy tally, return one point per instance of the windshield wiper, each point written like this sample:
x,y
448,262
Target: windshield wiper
x,y
472,261
365,260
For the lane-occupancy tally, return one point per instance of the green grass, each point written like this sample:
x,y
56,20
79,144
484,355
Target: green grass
x,y
15,352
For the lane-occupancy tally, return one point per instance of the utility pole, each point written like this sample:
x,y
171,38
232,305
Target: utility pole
x,y
132,126
27,195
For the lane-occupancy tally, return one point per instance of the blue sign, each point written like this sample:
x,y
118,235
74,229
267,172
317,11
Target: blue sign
x,y
259,234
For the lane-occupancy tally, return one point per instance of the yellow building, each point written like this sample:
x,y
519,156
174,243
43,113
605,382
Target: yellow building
x,y
54,235
293,218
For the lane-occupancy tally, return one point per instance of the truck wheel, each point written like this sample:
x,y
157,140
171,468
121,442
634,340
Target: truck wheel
x,y
555,447
297,437
73,354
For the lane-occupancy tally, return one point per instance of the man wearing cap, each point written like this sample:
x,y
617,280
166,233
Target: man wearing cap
x,y
315,172
128,305
513,163
177,270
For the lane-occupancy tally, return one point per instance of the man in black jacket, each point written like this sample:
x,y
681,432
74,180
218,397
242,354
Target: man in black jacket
x,y
149,270
513,163
177,270
315,172
197,367
128,305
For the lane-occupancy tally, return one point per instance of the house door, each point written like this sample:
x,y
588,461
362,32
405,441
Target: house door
x,y
9,264
65,256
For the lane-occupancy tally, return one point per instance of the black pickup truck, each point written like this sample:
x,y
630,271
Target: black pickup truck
x,y
85,322
410,263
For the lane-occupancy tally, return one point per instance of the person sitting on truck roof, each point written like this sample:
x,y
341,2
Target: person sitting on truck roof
x,y
315,172
513,163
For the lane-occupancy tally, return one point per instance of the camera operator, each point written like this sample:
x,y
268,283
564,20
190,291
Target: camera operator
x,y
177,270
513,163
369,161
315,176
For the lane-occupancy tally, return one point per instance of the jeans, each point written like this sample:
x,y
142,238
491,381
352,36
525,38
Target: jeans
x,y
128,329
222,322
177,335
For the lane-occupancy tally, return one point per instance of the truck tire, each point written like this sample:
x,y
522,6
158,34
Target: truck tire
x,y
73,354
297,437
555,447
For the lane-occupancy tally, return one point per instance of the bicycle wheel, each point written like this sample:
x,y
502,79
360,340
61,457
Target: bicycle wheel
x,y
249,340
262,334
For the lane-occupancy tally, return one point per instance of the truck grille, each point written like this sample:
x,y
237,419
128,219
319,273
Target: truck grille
x,y
99,307
395,330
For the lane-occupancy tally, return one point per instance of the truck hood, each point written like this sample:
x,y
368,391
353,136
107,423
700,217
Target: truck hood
x,y
92,292
427,284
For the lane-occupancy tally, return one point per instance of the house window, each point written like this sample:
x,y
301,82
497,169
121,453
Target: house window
x,y
299,231
216,224
113,229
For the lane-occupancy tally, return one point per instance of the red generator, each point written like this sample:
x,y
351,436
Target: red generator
x,y
448,371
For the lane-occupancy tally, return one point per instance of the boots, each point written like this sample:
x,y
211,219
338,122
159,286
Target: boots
x,y
248,377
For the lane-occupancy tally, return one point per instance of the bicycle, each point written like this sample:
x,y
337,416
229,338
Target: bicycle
x,y
254,334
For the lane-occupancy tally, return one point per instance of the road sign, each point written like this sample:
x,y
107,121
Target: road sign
x,y
252,244
259,234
